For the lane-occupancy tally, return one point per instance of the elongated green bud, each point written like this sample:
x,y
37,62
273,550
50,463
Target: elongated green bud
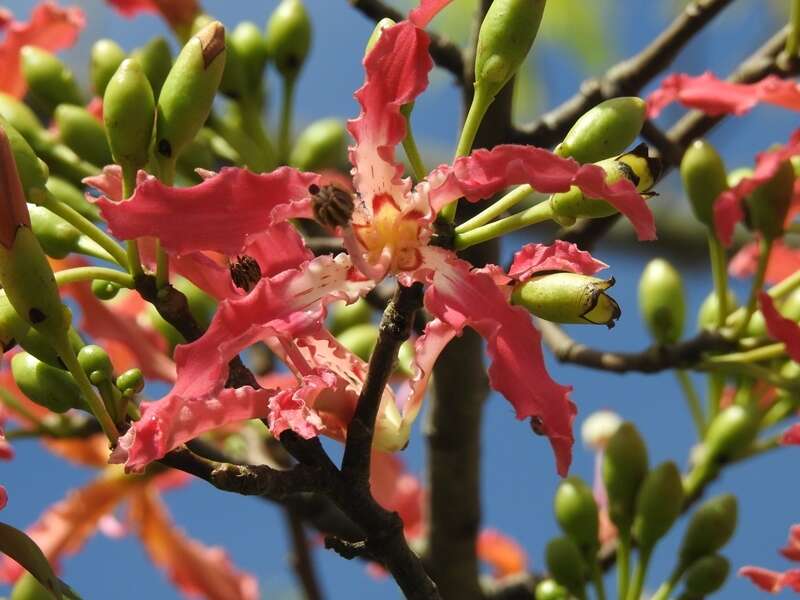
x,y
21,118
251,49
768,205
12,327
321,145
155,58
708,315
188,93
96,363
28,588
505,38
83,133
704,179
130,383
576,512
625,466
662,301
57,237
45,385
129,115
548,589
344,316
50,81
658,505
63,191
709,529
605,130
568,298
32,171
289,37
637,166
107,56
36,344
707,575
566,565
384,23
731,431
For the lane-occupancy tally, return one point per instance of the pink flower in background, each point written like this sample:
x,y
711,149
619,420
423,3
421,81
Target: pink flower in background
x,y
175,12
774,581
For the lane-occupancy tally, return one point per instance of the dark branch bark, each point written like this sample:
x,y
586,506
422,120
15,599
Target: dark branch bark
x,y
300,557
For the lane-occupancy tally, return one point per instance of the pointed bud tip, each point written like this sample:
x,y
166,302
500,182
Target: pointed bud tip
x,y
212,41
13,210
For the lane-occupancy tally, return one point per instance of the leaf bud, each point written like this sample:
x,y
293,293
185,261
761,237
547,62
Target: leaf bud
x,y
50,81
57,237
707,575
576,513
605,130
321,145
130,383
662,301
624,469
359,339
45,385
566,565
343,316
288,37
548,589
730,432
568,298
96,363
129,115
709,529
766,208
105,290
155,58
79,130
106,57
657,505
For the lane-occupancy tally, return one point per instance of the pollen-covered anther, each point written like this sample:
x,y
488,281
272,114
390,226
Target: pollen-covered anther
x,y
245,272
332,206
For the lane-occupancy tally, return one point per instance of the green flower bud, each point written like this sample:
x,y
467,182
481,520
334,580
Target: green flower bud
x,y
568,298
505,38
188,93
251,50
662,301
767,206
708,315
36,344
384,23
129,115
50,81
548,589
704,179
566,565
21,118
131,382
32,171
405,359
234,82
731,431
28,588
636,166
198,154
576,513
625,466
45,385
105,290
96,363
107,55
343,316
289,37
709,529
605,130
707,575
83,133
360,339
321,145
63,191
57,237
657,505
155,58
12,327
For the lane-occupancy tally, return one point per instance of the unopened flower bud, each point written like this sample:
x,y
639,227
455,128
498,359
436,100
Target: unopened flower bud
x,y
50,81
12,326
731,431
766,208
662,301
96,363
188,92
107,55
36,344
576,513
79,130
707,575
359,339
568,298
598,428
657,505
708,315
605,130
28,588
33,172
251,49
63,191
131,382
57,237
321,145
704,179
105,290
155,58
384,23
624,469
129,115
709,529
343,316
44,384
566,564
548,589
289,37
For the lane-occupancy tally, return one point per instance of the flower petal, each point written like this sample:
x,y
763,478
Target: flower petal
x,y
559,256
3,497
504,554
792,548
397,490
779,327
764,579
486,172
792,436
459,297
715,97
176,12
783,261
197,570
426,10
218,214
291,410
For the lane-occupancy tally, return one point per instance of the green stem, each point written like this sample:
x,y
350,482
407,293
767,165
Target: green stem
x,y
285,131
412,152
693,400
793,39
635,591
91,273
623,564
716,385
765,249
665,590
597,580
128,187
502,205
719,270
768,352
89,247
535,214
250,110
167,176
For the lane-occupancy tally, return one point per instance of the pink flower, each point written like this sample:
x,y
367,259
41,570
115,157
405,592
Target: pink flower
x,y
175,12
779,327
773,581
783,261
50,27
792,436
715,97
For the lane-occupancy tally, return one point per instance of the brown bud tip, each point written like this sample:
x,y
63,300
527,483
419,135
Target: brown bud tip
x,y
212,41
13,210
245,272
332,206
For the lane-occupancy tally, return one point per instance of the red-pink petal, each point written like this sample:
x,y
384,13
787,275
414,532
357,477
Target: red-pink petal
x,y
292,409
218,214
783,261
792,548
779,327
792,436
504,554
486,172
51,27
108,183
176,12
399,491
715,97
559,256
764,579
426,10
3,497
460,297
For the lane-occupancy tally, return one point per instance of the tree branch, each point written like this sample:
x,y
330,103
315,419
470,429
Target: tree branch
x,y
300,557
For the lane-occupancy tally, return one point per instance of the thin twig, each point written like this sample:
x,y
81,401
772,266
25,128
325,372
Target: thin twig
x,y
300,556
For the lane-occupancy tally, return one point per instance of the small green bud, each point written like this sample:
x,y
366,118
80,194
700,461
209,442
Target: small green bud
x,y
566,565
129,114
83,133
36,344
709,529
505,38
625,466
657,505
766,208
107,55
188,93
45,385
105,290
662,301
155,58
234,82
321,145
384,23
63,191
576,513
707,575
704,179
96,363
289,37
548,589
360,339
568,298
251,50
32,171
28,588
12,327
131,382
605,130
21,118
343,316
57,237
50,81
731,431
708,315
